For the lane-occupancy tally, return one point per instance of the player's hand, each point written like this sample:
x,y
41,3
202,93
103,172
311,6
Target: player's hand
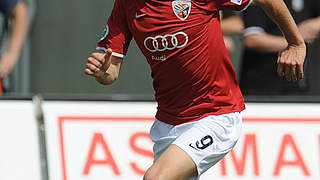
x,y
290,61
98,64
309,29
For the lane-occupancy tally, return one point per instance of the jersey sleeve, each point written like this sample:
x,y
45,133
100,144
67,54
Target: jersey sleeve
x,y
7,6
116,35
255,21
235,5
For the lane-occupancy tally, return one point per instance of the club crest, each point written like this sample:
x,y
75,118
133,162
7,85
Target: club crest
x,y
181,8
238,2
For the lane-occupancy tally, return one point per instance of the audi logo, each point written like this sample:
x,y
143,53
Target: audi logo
x,y
166,42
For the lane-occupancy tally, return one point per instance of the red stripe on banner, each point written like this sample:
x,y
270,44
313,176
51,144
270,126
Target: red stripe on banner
x,y
63,162
281,120
102,118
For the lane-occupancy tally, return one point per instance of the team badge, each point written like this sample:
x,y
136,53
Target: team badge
x,y
105,32
181,8
238,2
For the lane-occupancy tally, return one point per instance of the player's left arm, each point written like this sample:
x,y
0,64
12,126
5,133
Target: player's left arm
x,y
292,58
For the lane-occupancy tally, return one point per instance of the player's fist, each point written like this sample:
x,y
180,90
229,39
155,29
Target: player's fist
x,y
98,63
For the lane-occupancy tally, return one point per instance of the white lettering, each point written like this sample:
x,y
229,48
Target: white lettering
x,y
159,58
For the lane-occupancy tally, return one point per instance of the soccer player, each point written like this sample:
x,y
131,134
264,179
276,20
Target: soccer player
x,y
16,10
199,102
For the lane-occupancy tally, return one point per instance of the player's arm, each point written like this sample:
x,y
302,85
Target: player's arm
x,y
291,58
104,67
18,34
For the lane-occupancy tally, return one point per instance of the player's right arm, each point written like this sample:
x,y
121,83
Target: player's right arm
x,y
104,67
114,43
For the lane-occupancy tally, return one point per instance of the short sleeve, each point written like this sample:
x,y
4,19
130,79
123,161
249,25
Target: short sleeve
x,y
116,35
255,21
235,5
6,6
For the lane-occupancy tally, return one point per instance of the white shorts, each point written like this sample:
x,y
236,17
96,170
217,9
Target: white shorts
x,y
206,141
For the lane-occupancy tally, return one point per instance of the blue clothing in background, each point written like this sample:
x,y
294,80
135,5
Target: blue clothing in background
x,y
7,5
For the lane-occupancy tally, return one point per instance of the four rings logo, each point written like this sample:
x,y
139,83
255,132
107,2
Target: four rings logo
x,y
166,42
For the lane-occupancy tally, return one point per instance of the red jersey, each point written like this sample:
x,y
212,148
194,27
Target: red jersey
x,y
193,76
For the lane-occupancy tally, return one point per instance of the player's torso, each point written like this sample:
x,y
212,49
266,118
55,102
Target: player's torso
x,y
191,70
164,28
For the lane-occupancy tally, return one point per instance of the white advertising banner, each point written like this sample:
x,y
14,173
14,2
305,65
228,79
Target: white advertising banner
x,y
109,140
19,150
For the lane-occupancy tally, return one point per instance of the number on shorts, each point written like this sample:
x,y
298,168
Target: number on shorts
x,y
204,142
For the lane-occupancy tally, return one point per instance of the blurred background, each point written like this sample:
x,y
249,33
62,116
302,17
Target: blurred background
x,y
62,35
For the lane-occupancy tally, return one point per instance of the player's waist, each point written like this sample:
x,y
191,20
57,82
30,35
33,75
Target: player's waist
x,y
177,119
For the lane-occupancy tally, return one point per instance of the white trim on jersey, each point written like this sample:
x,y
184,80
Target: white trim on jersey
x,y
253,30
118,55
247,5
113,53
101,49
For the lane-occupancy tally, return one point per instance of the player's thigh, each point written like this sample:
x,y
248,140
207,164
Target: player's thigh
x,y
173,164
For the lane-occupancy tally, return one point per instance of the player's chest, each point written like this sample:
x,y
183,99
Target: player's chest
x,y
155,15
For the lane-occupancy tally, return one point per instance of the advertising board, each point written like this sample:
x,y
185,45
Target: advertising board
x,y
109,140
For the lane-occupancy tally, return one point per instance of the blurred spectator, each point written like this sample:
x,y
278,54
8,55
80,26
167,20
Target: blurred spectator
x,y
263,40
17,11
231,24
232,27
